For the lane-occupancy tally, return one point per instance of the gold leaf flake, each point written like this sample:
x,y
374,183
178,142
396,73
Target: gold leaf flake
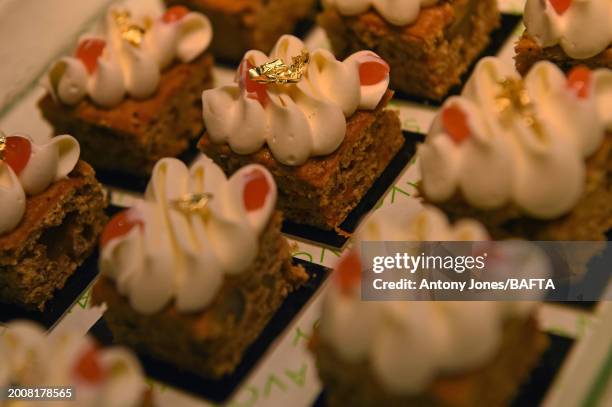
x,y
279,73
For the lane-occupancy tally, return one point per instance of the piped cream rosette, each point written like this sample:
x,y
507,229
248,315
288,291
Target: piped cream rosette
x,y
98,377
194,227
505,140
408,344
581,27
296,120
127,58
27,169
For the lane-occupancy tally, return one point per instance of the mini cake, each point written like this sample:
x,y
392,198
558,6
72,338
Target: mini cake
x,y
429,43
131,95
420,353
97,377
241,25
193,274
529,158
567,33
52,214
319,125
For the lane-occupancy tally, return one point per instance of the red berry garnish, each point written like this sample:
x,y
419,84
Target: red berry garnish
x,y
455,123
88,51
256,91
256,190
120,225
17,153
348,271
579,79
174,13
373,72
561,6
88,367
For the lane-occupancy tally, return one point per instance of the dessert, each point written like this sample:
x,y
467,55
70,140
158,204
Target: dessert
x,y
429,44
192,274
249,24
529,158
317,124
131,95
420,353
52,213
83,374
557,32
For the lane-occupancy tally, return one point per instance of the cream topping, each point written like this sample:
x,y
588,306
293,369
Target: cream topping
x,y
494,153
408,344
296,121
184,255
30,358
583,30
131,61
396,12
46,164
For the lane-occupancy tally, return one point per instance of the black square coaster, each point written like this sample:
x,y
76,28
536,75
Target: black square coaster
x,y
499,37
535,388
218,391
337,240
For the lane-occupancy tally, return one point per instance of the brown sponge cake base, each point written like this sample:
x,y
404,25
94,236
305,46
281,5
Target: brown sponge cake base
x,y
210,343
243,25
428,57
324,190
132,136
59,231
529,52
349,384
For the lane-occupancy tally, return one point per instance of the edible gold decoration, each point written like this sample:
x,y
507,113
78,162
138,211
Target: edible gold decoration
x,y
130,31
193,203
279,73
2,145
514,99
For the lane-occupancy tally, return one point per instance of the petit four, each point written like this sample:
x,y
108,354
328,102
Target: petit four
x,y
52,214
131,94
319,125
192,274
429,44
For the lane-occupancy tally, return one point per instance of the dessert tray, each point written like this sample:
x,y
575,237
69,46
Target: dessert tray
x,y
278,370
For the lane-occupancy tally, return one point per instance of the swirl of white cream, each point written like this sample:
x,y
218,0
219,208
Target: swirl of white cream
x,y
408,344
396,12
47,164
568,28
124,67
31,358
12,199
184,256
297,121
538,167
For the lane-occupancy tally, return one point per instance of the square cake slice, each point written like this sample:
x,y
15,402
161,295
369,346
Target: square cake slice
x,y
427,56
130,93
568,34
193,274
241,25
132,136
324,190
58,231
210,343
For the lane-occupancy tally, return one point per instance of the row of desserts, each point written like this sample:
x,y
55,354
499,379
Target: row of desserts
x,y
455,130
